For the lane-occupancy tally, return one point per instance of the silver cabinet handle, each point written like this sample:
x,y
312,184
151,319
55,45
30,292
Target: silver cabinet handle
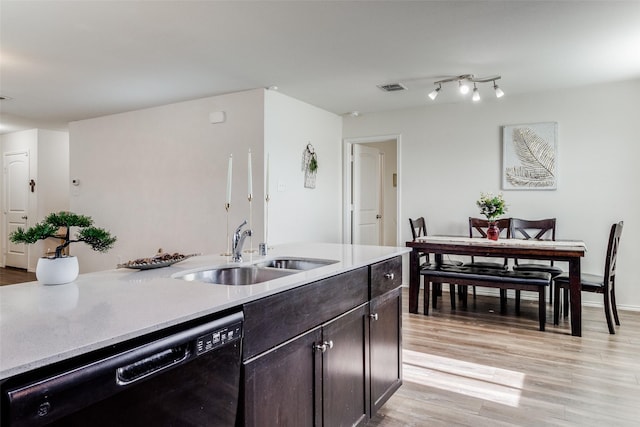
x,y
373,316
324,346
389,276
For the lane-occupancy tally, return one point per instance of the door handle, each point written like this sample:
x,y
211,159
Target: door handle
x,y
378,216
24,217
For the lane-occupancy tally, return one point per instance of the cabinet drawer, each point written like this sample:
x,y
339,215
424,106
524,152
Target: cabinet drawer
x,y
385,276
278,318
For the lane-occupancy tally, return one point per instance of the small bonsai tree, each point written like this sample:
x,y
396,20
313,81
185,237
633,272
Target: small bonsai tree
x,y
99,239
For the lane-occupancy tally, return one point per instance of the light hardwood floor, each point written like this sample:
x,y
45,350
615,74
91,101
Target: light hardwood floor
x,y
480,368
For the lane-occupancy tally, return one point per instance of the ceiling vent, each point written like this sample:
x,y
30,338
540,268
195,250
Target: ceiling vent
x,y
392,87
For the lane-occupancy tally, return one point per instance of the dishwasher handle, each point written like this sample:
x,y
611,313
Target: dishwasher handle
x,y
150,365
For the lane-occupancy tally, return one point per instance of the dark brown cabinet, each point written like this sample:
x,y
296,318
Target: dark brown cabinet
x,y
385,347
318,378
324,354
344,368
280,385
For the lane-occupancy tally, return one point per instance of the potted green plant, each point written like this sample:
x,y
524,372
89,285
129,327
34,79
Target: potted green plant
x,y
492,207
60,268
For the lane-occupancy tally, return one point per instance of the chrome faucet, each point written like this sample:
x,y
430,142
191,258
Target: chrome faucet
x,y
238,241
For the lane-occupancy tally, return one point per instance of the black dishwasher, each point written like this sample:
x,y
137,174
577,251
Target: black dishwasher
x,y
189,378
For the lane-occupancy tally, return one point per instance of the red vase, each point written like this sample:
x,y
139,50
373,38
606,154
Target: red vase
x,y
493,231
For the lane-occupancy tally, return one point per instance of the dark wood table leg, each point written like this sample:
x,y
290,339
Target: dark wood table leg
x,y
414,280
575,297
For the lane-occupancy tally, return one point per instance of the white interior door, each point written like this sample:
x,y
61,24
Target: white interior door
x,y
16,204
367,178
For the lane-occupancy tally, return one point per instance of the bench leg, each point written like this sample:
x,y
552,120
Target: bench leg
x,y
452,294
465,294
427,291
518,302
503,301
556,305
542,308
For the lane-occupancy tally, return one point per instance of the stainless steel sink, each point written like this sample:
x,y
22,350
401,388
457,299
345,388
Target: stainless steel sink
x,y
245,275
296,263
256,273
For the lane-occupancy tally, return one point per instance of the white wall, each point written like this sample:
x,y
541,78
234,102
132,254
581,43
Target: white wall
x,y
156,178
49,168
297,213
452,152
53,172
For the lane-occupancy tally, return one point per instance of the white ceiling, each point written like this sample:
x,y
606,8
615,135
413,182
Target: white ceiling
x,y
71,60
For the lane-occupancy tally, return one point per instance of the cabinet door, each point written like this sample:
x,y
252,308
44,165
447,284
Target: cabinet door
x,y
345,391
282,386
385,345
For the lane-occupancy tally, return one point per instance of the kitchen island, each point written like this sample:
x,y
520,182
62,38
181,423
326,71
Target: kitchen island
x,y
45,325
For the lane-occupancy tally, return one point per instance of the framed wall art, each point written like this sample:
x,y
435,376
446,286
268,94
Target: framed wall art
x,y
529,156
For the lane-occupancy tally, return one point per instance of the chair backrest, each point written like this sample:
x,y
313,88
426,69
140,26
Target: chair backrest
x,y
538,229
478,227
612,254
418,227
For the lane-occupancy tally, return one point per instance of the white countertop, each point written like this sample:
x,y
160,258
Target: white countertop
x,y
41,325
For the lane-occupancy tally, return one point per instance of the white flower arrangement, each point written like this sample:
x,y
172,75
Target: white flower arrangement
x,y
491,206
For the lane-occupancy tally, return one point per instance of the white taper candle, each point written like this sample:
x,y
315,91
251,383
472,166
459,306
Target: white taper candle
x,y
266,191
229,179
249,176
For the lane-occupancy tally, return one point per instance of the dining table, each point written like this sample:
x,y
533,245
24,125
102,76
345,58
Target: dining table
x,y
570,251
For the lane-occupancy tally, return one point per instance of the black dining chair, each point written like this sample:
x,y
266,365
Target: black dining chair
x,y
539,229
605,284
419,229
478,228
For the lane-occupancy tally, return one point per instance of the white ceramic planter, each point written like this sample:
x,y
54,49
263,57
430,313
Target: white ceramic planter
x,y
56,271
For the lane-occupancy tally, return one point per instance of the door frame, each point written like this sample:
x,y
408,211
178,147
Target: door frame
x,y
347,205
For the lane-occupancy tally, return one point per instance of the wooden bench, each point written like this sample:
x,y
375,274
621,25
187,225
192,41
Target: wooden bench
x,y
488,277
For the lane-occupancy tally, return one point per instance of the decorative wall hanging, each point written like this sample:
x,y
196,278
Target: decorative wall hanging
x,y
309,166
529,156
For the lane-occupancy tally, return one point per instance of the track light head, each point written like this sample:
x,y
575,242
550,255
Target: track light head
x,y
435,92
496,88
476,94
464,89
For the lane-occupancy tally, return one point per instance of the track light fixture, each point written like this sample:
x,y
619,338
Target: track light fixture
x,y
435,92
464,88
